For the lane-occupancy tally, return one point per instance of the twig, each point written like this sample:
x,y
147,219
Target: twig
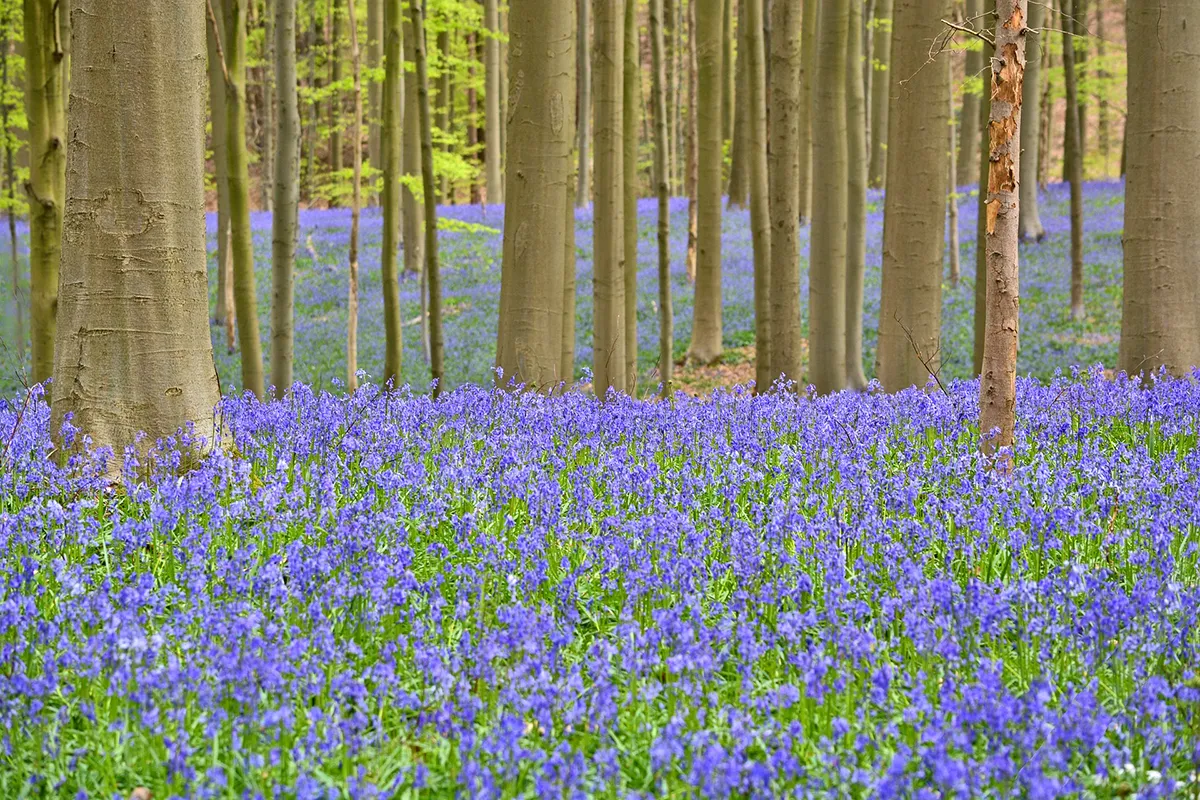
x,y
212,20
921,356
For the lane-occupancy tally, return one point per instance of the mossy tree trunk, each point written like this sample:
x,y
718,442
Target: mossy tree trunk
x,y
706,346
856,209
393,39
1160,324
914,224
133,353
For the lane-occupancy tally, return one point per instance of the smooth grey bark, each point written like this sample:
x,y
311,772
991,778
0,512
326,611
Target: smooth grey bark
x,y
739,145
914,223
425,126
952,191
393,38
662,186
355,202
856,210
412,211
808,73
1031,123
968,130
1073,161
286,191
225,314
880,86
583,77
1160,324
631,121
491,102
133,353
268,102
755,56
608,283
827,245
374,86
784,175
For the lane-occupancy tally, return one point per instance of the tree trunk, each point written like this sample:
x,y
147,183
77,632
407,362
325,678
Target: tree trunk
x,y
413,213
608,347
998,384
856,210
1031,125
287,196
706,345
310,170
1160,324
692,176
45,113
1079,14
808,74
952,191
269,123
631,123
728,75
784,172
491,98
393,38
245,296
1073,163
984,147
503,97
1103,117
880,87
827,253
425,126
668,20
968,130
583,183
662,186
754,55
355,200
335,95
225,314
532,348
739,146
566,370
10,181
914,222
134,353
374,85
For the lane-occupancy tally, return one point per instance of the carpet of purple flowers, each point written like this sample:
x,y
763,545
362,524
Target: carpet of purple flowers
x,y
497,595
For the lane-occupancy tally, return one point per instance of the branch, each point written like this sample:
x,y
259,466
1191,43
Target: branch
x,y
212,20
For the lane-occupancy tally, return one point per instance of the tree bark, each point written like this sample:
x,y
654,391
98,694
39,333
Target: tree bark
x,y
856,210
225,314
491,98
45,114
706,345
662,186
425,126
880,87
374,85
10,180
583,183
1073,162
286,192
567,360
335,96
1031,125
608,289
692,175
998,383
245,296
784,175
808,73
631,98
914,224
412,213
968,130
728,74
984,147
827,253
755,56
393,38
1160,323
355,200
952,191
739,144
134,353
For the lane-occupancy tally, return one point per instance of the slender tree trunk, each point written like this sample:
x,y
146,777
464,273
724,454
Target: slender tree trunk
x,y
472,122
310,170
1160,324
968,131
669,20
827,254
739,147
1103,117
631,123
755,57
856,210
503,95
981,250
729,71
662,185
225,314
133,353
14,260
998,384
1073,158
808,75
914,224
608,288
242,244
1082,39
1047,132
784,175
880,87
583,184
1031,124
393,38
532,347
413,213
45,113
269,122
491,97
706,345
692,177
374,86
355,201
335,96
425,126
952,191
445,101
287,197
